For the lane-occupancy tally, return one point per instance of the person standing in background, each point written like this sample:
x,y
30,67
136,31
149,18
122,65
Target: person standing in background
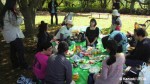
x,y
116,4
115,18
52,6
13,35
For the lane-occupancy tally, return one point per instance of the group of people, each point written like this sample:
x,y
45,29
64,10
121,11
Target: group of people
x,y
53,68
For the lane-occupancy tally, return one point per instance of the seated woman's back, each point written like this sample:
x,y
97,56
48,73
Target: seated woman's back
x,y
112,67
111,74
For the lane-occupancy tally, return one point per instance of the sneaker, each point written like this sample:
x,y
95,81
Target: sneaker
x,y
21,80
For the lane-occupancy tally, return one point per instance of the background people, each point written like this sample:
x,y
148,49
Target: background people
x,y
52,6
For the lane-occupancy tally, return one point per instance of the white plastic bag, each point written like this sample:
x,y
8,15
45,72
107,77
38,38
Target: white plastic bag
x,y
144,75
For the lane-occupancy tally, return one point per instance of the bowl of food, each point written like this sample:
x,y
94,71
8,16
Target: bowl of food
x,y
94,69
91,61
82,60
85,66
75,76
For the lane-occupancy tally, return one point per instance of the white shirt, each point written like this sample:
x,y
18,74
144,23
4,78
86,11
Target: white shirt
x,y
64,31
11,29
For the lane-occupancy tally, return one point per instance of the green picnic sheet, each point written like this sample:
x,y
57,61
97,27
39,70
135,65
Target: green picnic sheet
x,y
83,73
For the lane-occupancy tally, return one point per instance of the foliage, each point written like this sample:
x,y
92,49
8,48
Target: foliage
x,y
127,6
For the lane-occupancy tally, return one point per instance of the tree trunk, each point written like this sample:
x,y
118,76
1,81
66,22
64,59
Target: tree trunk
x,y
1,5
29,21
28,9
101,3
132,6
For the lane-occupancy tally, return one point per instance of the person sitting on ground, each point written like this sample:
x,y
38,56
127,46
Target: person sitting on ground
x,y
59,69
68,16
92,33
119,37
65,32
115,17
40,61
112,67
141,52
43,35
118,27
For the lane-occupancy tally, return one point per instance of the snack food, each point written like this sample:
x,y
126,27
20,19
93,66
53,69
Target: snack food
x,y
75,76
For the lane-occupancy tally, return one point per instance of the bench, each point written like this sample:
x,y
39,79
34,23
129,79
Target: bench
x,y
94,15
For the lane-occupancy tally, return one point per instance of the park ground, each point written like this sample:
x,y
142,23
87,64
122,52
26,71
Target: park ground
x,y
10,76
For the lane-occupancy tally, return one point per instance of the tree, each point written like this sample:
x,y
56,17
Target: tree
x,y
1,5
145,4
104,3
28,9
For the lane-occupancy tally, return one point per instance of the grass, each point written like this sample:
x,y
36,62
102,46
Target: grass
x,y
83,20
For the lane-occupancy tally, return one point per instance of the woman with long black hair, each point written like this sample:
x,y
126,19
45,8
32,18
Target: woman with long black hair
x,y
43,36
112,67
13,34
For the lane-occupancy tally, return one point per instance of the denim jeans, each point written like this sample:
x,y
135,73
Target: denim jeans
x,y
90,78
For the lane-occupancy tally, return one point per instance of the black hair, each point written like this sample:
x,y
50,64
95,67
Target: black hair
x,y
9,6
117,22
42,22
118,38
112,46
42,28
93,20
140,32
62,47
45,45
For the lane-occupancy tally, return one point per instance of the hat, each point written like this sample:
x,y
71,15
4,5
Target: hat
x,y
115,13
118,38
69,22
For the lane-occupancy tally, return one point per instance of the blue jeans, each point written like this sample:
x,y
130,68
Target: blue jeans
x,y
90,78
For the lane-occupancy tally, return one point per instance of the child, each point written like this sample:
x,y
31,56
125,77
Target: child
x,y
118,27
40,62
